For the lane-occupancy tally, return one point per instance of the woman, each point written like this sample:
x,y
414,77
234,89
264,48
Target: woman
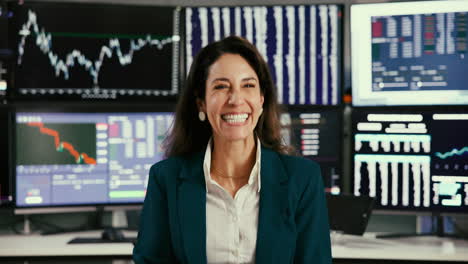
x,y
228,193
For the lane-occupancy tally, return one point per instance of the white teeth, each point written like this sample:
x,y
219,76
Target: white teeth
x,y
239,118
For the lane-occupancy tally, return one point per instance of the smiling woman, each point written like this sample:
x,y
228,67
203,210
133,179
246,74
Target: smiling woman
x,y
228,192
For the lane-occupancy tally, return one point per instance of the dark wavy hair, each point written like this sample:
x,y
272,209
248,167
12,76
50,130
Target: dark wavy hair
x,y
189,134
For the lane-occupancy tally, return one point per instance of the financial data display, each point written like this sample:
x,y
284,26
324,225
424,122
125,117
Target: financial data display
x,y
301,44
76,50
86,158
412,160
316,135
410,53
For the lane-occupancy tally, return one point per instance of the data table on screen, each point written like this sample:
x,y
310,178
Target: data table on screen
x,y
409,53
316,134
412,160
86,158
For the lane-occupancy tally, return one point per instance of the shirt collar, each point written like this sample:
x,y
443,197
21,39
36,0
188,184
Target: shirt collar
x,y
254,177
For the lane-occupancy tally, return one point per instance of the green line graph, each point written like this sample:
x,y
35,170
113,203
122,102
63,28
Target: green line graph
x,y
452,153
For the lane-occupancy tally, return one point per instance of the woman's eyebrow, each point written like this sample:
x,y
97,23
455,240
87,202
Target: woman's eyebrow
x,y
249,79
222,79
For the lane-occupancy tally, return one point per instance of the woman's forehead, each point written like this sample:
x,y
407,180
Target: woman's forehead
x,y
231,66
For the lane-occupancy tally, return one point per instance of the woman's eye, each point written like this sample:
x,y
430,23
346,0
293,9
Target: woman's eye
x,y
249,85
220,86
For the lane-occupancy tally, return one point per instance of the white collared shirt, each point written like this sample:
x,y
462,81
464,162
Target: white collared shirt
x,y
231,223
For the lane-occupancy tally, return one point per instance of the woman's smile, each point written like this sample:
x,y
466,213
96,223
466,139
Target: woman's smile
x,y
236,119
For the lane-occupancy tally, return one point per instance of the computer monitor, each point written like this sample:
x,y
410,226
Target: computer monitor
x,y
6,191
316,134
409,53
71,159
302,45
412,159
95,51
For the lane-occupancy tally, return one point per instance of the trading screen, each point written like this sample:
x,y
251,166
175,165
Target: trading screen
x,y
412,160
76,50
86,158
316,135
410,54
301,44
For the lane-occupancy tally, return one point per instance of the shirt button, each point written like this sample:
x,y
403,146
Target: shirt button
x,y
234,218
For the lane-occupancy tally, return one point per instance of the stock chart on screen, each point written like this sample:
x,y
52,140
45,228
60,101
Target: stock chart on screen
x,y
301,44
86,158
412,160
76,50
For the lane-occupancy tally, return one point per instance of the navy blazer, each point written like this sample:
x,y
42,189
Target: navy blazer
x,y
292,221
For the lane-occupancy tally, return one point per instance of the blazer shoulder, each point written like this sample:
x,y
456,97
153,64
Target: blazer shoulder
x,y
168,164
169,167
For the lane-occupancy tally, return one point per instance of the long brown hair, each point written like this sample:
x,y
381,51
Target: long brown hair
x,y
189,134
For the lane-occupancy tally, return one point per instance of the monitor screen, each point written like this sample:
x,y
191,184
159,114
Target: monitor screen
x,y
410,53
415,160
316,134
65,159
95,51
301,44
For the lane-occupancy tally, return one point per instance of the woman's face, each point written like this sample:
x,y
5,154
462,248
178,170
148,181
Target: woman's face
x,y
233,101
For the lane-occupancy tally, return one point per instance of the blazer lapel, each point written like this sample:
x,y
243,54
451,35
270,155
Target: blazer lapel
x,y
192,209
272,207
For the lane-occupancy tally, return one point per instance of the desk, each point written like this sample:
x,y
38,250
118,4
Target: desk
x,y
345,249
37,248
367,249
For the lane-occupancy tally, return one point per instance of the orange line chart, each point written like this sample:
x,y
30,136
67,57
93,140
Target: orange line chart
x,y
60,146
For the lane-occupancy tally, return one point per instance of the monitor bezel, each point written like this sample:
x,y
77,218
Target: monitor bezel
x,y
5,110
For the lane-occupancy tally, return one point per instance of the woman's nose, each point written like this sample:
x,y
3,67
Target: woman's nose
x,y
235,97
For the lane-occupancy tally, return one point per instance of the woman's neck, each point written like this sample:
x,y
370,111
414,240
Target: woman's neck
x,y
233,157
232,163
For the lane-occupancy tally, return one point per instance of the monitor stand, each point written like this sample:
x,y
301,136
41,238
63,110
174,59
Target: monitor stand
x,y
438,232
112,234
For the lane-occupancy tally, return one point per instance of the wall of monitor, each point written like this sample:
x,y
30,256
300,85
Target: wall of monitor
x,y
87,95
